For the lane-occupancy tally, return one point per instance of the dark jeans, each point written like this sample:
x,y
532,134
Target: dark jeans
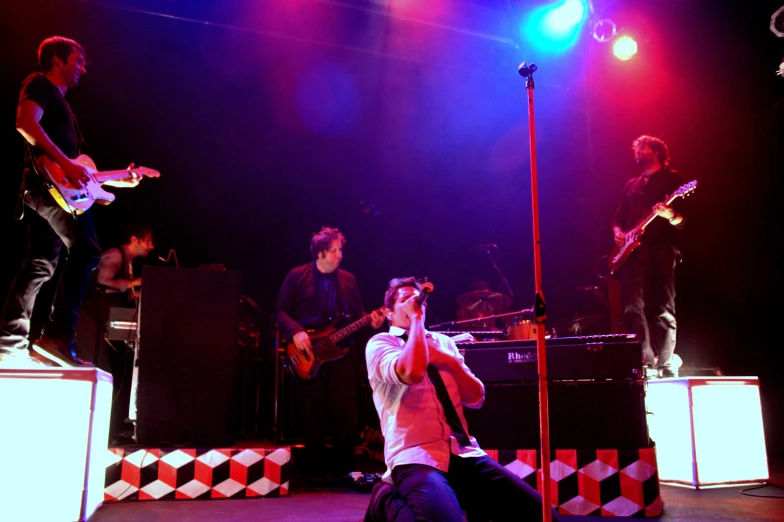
x,y
329,400
479,485
49,228
648,296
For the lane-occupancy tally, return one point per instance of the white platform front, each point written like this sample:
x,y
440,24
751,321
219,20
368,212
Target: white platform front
x,y
54,431
708,430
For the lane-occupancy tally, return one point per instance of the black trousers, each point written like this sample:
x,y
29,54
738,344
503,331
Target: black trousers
x,y
49,229
480,486
648,297
328,405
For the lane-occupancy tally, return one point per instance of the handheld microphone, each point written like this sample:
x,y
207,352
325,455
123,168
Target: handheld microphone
x,y
426,289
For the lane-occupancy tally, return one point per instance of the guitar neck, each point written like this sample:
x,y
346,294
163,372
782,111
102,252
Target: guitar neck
x,y
645,222
350,329
111,175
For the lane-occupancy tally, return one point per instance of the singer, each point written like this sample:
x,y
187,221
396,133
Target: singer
x,y
435,469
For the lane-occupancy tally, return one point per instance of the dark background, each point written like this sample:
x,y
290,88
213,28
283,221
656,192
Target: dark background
x,y
405,124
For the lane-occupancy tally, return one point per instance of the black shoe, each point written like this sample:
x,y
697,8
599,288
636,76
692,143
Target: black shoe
x,y
60,351
379,498
667,373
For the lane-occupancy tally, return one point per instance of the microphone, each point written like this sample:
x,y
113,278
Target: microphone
x,y
169,256
526,70
426,289
591,288
486,246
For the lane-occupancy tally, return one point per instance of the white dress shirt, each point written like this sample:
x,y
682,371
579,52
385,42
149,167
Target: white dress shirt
x,y
413,423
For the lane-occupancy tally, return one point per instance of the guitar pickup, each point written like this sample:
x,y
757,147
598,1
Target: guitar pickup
x,y
294,359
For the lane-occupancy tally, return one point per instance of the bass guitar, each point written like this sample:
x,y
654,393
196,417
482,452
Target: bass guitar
x,y
324,346
619,255
76,200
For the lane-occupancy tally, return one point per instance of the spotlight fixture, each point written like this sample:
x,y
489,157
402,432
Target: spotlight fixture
x,y
624,47
777,22
604,30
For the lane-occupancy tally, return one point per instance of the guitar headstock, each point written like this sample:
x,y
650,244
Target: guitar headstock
x,y
685,190
143,172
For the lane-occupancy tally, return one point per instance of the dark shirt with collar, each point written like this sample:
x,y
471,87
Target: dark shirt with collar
x,y
310,299
637,200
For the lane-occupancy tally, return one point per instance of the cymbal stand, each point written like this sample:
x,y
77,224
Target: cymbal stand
x,y
481,319
540,314
498,270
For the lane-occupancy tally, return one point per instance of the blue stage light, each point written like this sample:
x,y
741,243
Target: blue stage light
x,y
555,27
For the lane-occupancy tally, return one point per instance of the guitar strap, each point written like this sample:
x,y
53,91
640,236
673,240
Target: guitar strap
x,y
20,199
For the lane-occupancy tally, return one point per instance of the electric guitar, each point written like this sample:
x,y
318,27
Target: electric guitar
x,y
619,255
76,200
324,347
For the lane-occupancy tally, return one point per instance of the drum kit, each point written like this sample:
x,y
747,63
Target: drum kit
x,y
481,309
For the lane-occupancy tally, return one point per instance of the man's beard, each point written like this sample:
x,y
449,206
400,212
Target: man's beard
x,y
644,161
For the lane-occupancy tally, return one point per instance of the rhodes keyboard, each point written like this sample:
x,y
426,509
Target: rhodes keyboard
x,y
615,357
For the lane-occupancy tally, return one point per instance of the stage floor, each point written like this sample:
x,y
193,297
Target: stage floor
x,y
681,504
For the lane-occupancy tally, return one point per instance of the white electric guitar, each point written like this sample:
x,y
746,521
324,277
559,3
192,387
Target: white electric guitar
x,y
619,255
77,200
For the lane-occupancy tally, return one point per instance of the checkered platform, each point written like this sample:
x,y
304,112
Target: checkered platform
x,y
196,473
598,482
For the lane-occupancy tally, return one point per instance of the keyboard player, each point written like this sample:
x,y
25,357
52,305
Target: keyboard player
x,y
114,290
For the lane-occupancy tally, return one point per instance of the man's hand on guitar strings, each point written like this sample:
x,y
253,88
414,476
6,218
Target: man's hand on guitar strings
x,y
302,342
79,175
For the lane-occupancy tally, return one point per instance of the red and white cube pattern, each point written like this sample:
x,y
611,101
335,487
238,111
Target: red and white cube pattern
x,y
599,482
196,473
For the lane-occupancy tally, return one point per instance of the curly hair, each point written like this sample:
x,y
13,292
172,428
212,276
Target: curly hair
x,y
321,241
658,147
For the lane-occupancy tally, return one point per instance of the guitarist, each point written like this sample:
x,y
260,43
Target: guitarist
x,y
46,122
310,296
647,278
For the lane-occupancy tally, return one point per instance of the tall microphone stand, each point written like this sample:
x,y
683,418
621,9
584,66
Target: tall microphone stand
x,y
540,313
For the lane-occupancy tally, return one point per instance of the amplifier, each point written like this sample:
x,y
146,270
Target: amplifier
x,y
615,357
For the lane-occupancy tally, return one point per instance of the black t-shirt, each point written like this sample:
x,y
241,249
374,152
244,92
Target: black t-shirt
x,y
58,121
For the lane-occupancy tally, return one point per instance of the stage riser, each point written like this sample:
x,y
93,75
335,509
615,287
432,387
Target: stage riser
x,y
196,473
613,483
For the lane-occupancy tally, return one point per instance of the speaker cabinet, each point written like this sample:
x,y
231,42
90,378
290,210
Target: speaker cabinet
x,y
188,356
582,415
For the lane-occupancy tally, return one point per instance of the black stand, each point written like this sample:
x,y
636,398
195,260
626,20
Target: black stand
x,y
100,326
498,271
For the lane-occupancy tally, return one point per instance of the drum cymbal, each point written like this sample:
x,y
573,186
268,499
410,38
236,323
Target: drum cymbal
x,y
484,299
581,322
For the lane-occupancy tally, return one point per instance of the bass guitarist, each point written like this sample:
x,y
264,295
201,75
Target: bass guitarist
x,y
310,297
647,277
45,120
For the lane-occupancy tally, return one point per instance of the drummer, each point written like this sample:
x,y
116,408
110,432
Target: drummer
x,y
480,302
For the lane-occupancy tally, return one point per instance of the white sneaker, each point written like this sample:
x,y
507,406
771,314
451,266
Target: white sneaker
x,y
16,359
